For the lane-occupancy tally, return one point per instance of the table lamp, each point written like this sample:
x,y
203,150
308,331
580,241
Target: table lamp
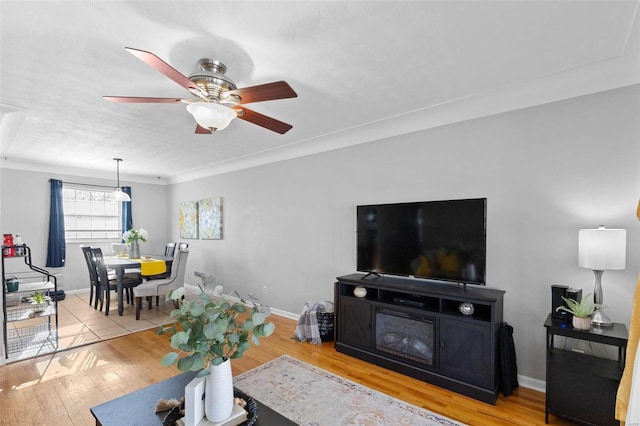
x,y
601,249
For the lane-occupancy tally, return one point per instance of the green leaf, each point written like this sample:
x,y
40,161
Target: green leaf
x,y
185,347
217,350
169,359
202,346
243,346
210,330
217,361
234,338
258,330
197,309
221,325
248,325
203,372
258,318
185,364
198,362
179,339
268,329
239,308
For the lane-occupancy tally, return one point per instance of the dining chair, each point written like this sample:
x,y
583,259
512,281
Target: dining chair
x,y
119,249
107,282
157,288
169,249
93,276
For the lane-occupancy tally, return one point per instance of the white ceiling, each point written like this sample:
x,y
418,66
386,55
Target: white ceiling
x,y
363,70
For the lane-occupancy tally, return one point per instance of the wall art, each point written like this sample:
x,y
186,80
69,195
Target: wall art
x,y
188,219
210,218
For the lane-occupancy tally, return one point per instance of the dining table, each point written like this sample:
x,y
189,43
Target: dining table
x,y
121,263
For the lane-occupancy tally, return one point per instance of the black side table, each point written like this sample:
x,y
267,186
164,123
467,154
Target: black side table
x,y
582,387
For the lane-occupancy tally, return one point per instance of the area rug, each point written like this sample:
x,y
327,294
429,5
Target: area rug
x,y
311,396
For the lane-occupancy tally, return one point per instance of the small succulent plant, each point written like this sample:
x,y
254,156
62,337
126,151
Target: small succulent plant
x,y
580,309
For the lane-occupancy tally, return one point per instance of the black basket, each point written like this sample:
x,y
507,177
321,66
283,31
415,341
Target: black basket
x,y
325,325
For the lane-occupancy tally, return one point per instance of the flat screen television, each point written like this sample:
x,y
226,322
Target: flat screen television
x,y
435,240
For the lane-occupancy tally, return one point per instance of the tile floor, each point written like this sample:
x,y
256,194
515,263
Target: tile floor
x,y
79,324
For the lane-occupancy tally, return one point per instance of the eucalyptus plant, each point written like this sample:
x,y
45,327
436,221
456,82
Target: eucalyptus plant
x,y
580,309
212,330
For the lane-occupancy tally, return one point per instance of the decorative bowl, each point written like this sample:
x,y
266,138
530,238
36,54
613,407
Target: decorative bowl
x,y
360,291
466,308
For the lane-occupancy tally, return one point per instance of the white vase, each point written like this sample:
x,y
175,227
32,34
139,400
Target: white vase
x,y
218,397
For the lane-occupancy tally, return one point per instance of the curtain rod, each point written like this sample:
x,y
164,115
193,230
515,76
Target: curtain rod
x,y
88,184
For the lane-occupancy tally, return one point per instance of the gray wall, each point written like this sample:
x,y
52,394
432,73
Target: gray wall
x,y
547,171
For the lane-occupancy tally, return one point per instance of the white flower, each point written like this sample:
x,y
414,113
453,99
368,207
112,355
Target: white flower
x,y
134,235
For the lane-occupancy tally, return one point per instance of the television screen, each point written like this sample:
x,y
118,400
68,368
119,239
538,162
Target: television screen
x,y
438,240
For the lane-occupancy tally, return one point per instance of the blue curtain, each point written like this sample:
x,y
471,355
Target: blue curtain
x,y
56,248
127,217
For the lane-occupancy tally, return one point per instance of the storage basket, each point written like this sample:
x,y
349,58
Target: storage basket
x,y
325,325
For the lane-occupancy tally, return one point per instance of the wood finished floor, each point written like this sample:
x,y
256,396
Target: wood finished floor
x,y
60,389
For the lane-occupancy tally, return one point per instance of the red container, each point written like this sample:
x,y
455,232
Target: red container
x,y
8,241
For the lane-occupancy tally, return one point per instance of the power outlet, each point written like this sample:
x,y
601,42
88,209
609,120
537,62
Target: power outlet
x,y
264,289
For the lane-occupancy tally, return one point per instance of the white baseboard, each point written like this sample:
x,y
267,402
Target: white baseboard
x,y
274,311
534,384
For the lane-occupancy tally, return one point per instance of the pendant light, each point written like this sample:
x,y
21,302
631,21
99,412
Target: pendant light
x,y
118,195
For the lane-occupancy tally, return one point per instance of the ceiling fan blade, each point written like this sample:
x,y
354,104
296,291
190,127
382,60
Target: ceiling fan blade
x,y
134,99
263,92
155,62
201,130
262,120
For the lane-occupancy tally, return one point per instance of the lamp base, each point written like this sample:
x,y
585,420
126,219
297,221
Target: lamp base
x,y
599,319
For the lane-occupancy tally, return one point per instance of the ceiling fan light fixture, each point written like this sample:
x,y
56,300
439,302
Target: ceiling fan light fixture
x,y
117,194
211,115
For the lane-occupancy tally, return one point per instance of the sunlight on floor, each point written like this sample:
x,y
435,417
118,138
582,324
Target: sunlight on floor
x,y
79,324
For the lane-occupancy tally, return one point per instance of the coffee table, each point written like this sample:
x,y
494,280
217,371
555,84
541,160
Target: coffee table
x,y
138,408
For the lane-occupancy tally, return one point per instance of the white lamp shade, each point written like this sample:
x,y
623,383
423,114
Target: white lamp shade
x,y
211,115
601,249
118,195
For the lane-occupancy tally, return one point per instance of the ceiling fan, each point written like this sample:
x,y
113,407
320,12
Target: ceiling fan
x,y
219,100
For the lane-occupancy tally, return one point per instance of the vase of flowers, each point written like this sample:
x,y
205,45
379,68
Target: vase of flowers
x,y
211,331
133,237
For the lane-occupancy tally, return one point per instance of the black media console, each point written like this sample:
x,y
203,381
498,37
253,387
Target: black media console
x,y
416,328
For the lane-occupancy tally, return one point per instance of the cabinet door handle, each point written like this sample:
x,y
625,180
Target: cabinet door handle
x,y
442,344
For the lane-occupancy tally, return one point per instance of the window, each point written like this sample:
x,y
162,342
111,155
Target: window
x,y
89,215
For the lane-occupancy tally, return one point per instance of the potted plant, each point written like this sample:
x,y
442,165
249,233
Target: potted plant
x,y
581,312
132,237
39,300
211,331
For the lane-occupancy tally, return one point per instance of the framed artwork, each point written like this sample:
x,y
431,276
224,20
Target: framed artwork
x,y
188,219
210,218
